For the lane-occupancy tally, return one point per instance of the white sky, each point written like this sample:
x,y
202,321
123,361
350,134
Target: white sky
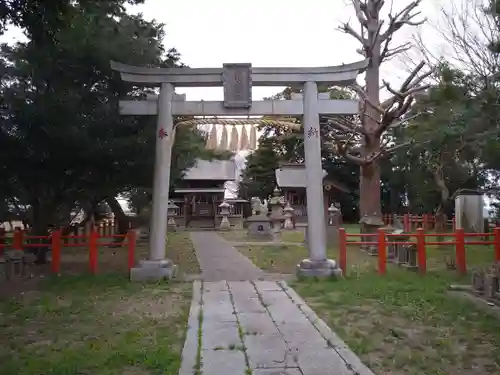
x,y
265,33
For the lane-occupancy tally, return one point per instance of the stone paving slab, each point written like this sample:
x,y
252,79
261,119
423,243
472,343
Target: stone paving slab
x,y
221,261
262,328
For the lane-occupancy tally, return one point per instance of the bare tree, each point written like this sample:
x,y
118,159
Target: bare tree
x,y
470,30
375,36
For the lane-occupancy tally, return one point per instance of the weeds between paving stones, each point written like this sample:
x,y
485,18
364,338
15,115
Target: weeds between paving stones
x,y
197,368
404,323
241,333
94,324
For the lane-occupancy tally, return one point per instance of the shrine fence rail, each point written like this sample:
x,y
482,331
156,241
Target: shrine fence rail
x,y
57,243
426,221
419,241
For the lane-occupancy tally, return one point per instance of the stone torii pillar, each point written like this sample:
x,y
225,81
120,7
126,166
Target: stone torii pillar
x,y
157,267
317,264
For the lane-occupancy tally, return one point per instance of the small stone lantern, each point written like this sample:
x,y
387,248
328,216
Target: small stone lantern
x,y
224,211
171,212
276,217
288,213
333,216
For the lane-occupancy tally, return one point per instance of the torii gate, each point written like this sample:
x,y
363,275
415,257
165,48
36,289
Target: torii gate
x,y
237,80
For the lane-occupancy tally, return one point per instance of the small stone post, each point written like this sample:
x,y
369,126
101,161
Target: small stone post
x,y
172,209
225,225
288,213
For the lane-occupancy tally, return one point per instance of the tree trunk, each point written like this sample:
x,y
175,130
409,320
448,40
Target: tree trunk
x,y
40,227
369,184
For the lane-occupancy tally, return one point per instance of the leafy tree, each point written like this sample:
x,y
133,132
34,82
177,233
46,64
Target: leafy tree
x,y
64,144
448,135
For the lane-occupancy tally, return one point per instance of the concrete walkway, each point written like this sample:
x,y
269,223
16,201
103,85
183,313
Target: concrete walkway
x,y
254,327
260,328
221,261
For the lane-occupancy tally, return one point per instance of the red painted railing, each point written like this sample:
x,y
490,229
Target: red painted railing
x,y
382,240
56,242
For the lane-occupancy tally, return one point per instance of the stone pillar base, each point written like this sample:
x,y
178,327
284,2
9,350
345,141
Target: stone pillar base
x,y
153,271
324,268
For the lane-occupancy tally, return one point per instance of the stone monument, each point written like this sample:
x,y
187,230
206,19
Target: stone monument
x,y
469,206
259,227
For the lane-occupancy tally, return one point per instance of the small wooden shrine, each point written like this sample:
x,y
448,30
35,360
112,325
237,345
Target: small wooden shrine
x,y
202,191
292,180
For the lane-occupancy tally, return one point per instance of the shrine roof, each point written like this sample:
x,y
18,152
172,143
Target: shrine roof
x,y
214,170
293,175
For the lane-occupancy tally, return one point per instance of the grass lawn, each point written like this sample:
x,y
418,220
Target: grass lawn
x,y
74,260
284,258
401,323
407,324
102,325
241,236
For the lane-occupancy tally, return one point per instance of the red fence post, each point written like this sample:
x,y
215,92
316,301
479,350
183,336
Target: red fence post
x,y
422,256
17,239
460,251
382,252
453,224
131,248
56,251
93,238
425,222
343,250
496,232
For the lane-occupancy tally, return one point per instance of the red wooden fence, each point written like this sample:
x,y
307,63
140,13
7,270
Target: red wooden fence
x,y
383,239
56,242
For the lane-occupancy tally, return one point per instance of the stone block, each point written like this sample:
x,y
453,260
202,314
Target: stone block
x,y
316,361
221,362
220,335
153,271
277,371
268,351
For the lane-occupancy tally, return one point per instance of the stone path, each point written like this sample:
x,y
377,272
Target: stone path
x,y
221,261
260,328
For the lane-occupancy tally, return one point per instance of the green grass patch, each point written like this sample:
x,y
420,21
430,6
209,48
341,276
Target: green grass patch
x,y
407,324
99,325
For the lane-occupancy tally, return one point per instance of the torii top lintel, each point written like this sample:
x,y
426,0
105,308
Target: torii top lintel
x,y
340,75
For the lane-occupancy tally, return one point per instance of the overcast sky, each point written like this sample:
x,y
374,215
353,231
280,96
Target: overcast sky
x,y
265,33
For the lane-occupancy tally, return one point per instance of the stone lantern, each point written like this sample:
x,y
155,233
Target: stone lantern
x,y
171,212
333,216
276,217
288,214
332,234
224,211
